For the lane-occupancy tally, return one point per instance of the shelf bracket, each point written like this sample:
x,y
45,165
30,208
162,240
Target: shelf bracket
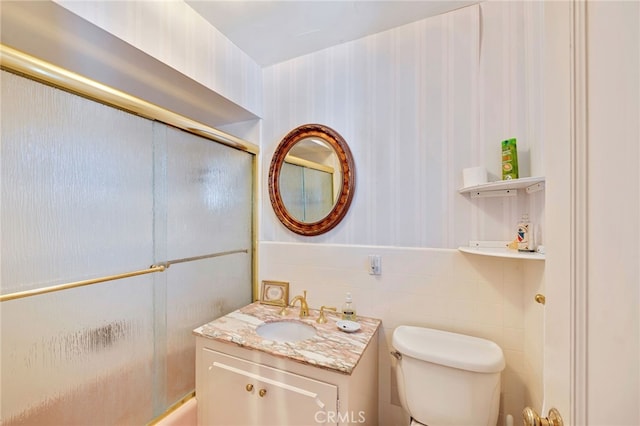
x,y
498,193
488,244
535,188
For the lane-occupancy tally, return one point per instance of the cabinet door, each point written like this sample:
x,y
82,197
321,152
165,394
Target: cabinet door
x,y
240,392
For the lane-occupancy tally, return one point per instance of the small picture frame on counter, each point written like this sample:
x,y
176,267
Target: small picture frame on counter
x,y
274,293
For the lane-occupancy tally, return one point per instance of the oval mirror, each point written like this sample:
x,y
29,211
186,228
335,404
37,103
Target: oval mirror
x,y
311,179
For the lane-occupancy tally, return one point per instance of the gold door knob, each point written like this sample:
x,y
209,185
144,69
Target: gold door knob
x,y
249,387
531,418
262,392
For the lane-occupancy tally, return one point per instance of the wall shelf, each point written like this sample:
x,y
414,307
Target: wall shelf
x,y
505,188
502,188
498,249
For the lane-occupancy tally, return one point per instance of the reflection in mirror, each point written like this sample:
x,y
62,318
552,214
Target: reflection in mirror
x,y
308,183
311,179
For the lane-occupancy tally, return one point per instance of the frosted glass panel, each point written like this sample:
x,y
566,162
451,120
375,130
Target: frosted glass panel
x,y
77,200
209,196
292,189
306,193
318,194
78,357
209,192
76,187
91,191
198,293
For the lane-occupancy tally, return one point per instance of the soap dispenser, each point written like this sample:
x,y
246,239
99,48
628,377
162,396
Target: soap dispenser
x,y
348,309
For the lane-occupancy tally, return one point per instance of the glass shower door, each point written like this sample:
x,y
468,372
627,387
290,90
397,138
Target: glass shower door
x,y
208,243
76,202
90,191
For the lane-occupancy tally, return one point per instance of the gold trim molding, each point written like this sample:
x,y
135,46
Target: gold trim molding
x,y
19,62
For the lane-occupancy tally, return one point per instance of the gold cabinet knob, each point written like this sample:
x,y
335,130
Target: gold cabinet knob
x,y
540,299
262,392
249,387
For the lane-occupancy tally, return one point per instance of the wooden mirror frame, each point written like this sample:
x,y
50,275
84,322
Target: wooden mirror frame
x,y
345,196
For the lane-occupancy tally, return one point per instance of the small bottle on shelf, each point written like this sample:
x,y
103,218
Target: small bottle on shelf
x,y
348,309
524,235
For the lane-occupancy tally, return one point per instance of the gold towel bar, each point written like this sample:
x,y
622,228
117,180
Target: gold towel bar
x,y
205,256
37,291
160,267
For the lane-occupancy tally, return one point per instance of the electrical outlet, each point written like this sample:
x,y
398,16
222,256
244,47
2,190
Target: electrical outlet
x,y
375,264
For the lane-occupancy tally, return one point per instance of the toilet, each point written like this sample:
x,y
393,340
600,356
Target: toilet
x,y
447,378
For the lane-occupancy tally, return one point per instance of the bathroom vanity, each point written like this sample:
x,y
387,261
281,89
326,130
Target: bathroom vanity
x,y
243,378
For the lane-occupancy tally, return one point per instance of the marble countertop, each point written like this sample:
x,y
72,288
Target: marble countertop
x,y
330,348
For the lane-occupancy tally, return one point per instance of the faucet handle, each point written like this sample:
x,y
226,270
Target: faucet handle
x,y
284,306
321,319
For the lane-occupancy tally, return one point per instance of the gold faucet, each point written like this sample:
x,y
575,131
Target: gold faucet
x,y
304,308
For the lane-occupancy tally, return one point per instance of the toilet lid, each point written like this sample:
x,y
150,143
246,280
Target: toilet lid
x,y
414,422
450,349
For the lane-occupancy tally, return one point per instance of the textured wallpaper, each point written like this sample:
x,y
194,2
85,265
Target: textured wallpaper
x,y
417,104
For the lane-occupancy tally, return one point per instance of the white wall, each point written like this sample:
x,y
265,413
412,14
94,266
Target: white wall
x,y
416,104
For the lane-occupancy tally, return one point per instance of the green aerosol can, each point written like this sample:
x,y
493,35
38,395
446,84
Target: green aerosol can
x,y
509,159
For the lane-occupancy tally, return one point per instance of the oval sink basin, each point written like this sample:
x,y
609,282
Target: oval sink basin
x,y
286,331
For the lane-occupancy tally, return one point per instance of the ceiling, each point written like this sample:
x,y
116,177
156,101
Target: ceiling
x,y
275,31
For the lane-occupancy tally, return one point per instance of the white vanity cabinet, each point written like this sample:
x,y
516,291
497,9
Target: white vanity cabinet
x,y
239,392
240,386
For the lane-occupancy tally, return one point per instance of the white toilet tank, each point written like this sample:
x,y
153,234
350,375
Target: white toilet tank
x,y
447,378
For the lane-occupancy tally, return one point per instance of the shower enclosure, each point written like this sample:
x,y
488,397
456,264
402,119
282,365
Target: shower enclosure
x,y
119,235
